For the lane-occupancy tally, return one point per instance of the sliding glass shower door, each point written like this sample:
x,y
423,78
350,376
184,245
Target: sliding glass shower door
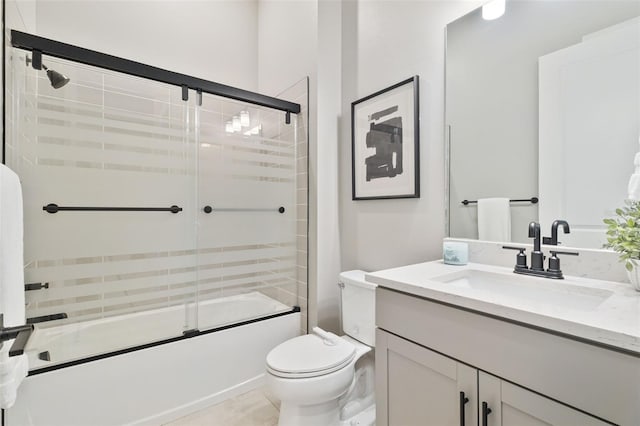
x,y
108,168
246,212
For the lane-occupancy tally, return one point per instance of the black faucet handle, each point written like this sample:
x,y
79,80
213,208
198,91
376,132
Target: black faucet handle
x,y
521,258
554,261
549,241
557,252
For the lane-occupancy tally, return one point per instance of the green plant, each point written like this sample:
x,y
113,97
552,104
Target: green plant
x,y
623,233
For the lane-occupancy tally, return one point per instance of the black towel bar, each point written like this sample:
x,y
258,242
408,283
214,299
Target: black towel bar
x,y
54,208
532,200
210,209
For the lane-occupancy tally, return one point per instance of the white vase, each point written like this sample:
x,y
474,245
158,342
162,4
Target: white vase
x,y
634,278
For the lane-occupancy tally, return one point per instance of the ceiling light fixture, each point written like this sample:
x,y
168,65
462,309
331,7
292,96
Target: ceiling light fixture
x,y
236,124
493,10
244,119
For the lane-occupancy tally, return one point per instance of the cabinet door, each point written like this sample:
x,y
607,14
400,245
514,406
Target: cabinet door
x,y
505,404
416,386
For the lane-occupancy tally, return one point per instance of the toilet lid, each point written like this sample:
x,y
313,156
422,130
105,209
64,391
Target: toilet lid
x,y
308,356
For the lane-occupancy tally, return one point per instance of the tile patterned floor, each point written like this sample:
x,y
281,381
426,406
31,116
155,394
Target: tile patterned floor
x,y
254,408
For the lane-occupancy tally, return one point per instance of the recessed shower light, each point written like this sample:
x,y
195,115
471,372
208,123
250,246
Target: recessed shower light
x,y
493,10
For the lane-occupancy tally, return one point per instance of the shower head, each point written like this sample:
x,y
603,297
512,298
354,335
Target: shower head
x,y
57,80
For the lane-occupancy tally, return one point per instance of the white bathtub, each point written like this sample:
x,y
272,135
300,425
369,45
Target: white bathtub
x,y
70,342
156,384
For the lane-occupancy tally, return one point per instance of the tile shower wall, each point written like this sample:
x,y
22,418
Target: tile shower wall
x,y
299,93
115,140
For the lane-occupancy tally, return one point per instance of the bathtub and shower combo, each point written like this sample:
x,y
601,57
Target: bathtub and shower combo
x,y
165,234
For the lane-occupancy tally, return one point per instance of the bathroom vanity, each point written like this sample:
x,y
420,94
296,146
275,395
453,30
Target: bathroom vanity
x,y
477,345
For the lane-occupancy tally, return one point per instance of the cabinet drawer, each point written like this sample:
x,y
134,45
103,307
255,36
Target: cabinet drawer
x,y
602,382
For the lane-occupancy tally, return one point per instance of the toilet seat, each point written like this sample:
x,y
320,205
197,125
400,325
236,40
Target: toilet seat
x,y
309,356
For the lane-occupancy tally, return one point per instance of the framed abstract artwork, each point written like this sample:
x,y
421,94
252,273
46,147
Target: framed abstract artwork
x,y
385,139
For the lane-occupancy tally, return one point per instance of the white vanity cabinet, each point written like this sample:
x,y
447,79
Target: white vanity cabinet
x,y
422,387
417,386
427,353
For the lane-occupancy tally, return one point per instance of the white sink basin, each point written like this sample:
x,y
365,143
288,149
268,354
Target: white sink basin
x,y
515,287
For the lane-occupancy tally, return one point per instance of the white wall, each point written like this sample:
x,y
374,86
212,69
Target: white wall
x,y
20,15
324,165
214,40
387,42
287,40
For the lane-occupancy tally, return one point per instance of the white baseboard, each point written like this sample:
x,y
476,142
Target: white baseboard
x,y
195,406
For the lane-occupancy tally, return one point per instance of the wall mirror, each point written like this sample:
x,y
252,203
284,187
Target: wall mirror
x,y
543,102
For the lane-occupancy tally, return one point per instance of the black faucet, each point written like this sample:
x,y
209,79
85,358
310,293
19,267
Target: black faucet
x,y
537,256
553,241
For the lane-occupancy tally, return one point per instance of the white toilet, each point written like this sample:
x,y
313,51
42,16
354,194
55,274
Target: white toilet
x,y
316,377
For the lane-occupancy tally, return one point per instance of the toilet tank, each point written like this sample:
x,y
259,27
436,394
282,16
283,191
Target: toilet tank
x,y
358,307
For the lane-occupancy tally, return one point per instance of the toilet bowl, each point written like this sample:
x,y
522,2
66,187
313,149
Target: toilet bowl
x,y
323,379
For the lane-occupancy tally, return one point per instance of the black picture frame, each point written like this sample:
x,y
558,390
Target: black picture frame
x,y
385,143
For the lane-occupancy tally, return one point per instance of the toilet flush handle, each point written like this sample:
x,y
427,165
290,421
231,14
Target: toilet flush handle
x,y
327,338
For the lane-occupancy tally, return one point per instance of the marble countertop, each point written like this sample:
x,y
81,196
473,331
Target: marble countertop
x,y
602,312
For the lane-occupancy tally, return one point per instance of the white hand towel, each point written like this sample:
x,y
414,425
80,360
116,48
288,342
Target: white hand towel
x,y
11,247
12,372
494,219
634,187
14,369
